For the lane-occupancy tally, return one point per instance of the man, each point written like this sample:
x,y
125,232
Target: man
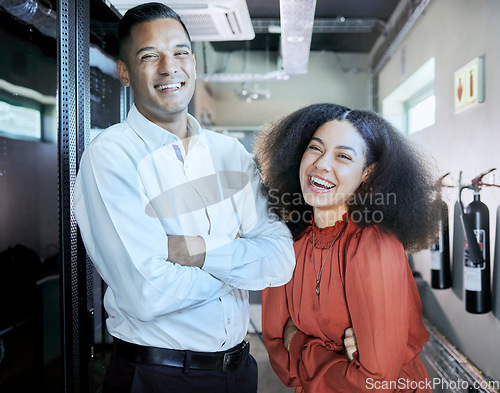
x,y
173,218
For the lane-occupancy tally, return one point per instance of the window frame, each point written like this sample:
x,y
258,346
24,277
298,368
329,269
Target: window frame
x,y
417,98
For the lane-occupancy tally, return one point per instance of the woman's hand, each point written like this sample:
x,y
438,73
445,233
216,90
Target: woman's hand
x,y
350,343
288,333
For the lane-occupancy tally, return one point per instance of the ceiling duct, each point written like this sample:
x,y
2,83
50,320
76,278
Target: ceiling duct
x,y
208,20
325,25
33,12
297,20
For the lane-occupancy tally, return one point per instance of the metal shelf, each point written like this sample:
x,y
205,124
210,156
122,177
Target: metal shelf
x,y
456,373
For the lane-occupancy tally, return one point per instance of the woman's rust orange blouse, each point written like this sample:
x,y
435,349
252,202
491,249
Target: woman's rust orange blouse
x,y
367,284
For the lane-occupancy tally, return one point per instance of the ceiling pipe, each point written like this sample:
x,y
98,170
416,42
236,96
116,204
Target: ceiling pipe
x,y
32,12
401,34
389,44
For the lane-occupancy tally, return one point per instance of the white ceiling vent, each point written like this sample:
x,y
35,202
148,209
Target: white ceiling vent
x,y
208,20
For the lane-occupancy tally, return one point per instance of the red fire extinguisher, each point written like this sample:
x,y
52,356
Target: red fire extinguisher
x,y
440,249
475,220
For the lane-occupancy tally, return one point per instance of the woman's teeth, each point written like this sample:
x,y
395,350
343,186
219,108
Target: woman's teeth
x,y
321,183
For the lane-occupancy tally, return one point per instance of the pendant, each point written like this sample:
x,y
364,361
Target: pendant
x,y
317,289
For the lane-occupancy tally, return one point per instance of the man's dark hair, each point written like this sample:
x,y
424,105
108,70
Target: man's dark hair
x,y
147,12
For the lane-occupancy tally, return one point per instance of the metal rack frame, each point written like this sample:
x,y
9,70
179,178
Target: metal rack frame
x,y
74,125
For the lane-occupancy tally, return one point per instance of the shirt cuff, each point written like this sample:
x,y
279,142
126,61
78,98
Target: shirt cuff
x,y
218,254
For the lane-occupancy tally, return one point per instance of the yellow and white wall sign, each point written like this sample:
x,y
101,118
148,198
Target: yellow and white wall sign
x,y
469,85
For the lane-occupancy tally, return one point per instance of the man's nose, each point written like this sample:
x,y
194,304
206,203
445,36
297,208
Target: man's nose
x,y
168,65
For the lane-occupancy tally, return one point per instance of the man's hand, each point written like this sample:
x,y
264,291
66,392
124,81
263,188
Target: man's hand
x,y
288,333
350,343
186,250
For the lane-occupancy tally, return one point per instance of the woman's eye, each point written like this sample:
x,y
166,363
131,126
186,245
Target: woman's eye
x,y
344,156
312,147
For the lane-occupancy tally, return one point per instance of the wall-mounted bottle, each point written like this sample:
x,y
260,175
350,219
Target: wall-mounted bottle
x,y
440,249
440,252
477,275
476,223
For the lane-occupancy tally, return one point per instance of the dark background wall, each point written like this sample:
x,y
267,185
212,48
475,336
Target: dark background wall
x,y
30,324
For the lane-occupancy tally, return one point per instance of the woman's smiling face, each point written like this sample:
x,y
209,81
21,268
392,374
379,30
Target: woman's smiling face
x,y
332,167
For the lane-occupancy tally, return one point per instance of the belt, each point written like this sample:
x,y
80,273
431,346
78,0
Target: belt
x,y
223,360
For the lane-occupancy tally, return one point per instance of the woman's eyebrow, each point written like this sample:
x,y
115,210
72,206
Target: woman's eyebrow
x,y
338,147
345,147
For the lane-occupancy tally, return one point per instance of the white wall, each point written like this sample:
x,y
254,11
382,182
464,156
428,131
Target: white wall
x,y
455,32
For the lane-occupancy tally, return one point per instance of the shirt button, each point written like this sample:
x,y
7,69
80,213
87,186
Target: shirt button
x,y
228,321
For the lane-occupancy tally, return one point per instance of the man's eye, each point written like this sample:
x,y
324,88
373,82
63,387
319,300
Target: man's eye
x,y
147,57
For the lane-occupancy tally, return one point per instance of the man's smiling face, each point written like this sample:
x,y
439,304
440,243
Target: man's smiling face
x,y
161,69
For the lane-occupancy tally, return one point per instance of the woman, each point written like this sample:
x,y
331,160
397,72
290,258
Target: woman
x,y
355,195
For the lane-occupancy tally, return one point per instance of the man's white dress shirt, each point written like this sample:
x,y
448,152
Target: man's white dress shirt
x,y
135,186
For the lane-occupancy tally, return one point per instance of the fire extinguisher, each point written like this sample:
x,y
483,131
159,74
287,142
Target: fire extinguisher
x,y
440,249
475,220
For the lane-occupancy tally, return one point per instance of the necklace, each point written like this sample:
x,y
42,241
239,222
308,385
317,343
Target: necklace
x,y
318,279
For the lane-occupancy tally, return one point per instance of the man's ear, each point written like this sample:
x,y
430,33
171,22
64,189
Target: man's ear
x,y
122,70
368,171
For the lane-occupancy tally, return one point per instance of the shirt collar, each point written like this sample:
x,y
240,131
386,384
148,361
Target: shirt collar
x,y
154,135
